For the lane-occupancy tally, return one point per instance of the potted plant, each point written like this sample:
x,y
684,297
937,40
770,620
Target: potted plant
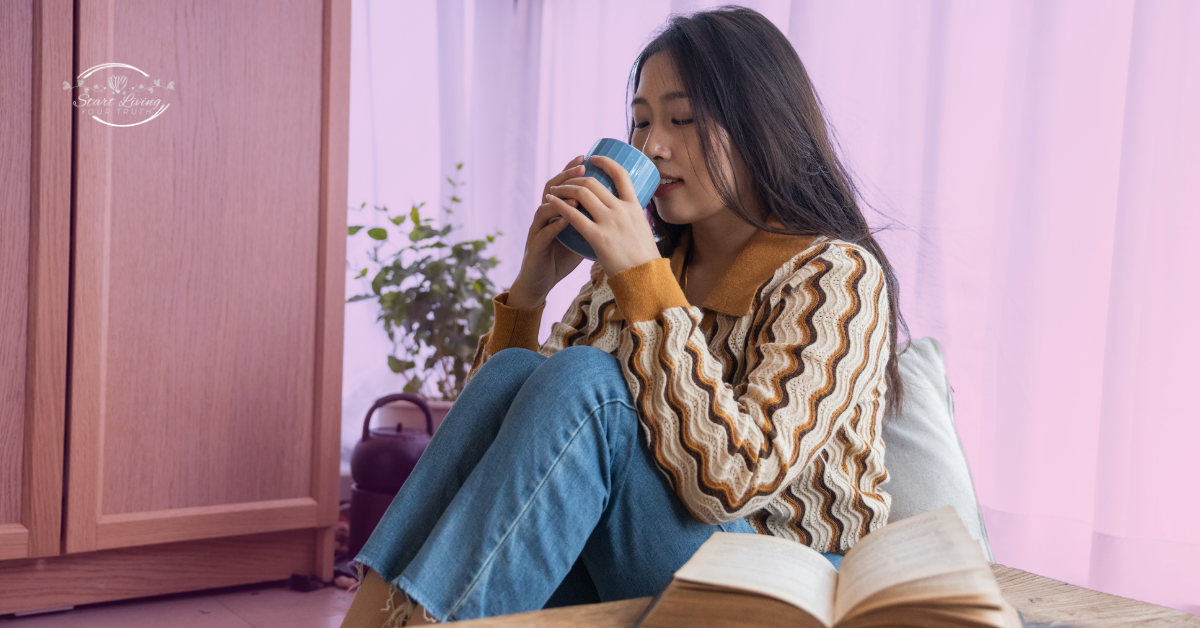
x,y
434,299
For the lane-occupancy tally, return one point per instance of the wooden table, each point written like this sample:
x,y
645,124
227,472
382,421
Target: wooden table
x,y
1044,603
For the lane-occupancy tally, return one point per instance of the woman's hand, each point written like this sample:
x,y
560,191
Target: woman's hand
x,y
546,260
618,231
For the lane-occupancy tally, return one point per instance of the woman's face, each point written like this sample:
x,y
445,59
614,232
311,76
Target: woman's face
x,y
665,132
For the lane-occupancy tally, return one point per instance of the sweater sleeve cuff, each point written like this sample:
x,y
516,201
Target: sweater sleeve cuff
x,y
645,291
514,326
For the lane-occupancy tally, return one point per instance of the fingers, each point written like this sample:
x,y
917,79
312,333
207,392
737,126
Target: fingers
x,y
582,223
565,189
564,175
547,217
547,224
546,236
578,161
585,198
619,175
575,171
542,217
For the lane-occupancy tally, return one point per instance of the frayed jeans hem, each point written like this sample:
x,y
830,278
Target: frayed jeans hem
x,y
401,587
417,596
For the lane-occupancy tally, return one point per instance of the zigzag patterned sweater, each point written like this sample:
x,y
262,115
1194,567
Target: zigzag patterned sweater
x,y
766,402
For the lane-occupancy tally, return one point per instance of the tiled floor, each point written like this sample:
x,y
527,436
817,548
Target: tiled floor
x,y
264,606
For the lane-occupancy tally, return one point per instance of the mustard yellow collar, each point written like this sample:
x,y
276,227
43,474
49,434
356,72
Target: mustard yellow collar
x,y
763,254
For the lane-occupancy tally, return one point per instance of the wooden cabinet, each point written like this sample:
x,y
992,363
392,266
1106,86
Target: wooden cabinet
x,y
171,323
35,220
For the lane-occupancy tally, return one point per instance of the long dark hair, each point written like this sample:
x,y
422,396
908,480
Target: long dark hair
x,y
742,74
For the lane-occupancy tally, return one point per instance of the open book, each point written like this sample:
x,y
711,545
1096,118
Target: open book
x,y
921,571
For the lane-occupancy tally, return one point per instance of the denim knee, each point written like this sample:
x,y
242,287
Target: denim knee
x,y
584,359
514,363
514,358
495,382
582,376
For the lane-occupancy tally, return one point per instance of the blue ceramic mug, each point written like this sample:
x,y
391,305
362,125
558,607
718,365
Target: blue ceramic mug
x,y
641,169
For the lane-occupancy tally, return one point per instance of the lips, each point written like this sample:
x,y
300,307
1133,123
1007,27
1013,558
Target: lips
x,y
664,190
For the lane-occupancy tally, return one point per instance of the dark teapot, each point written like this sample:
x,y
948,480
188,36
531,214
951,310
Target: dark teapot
x,y
380,464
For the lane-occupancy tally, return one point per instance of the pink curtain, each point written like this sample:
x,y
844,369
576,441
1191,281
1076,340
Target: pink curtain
x,y
1035,162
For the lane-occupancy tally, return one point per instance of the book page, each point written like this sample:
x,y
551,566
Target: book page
x,y
975,587
931,617
770,566
930,544
967,616
688,605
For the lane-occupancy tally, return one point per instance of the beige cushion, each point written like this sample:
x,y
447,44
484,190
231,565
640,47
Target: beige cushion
x,y
923,455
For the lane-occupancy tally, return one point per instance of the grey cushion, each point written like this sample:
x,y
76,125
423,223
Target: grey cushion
x,y
923,455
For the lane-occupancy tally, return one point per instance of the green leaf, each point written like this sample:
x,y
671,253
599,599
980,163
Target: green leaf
x,y
381,208
362,273
355,229
378,233
399,366
422,233
459,166
433,297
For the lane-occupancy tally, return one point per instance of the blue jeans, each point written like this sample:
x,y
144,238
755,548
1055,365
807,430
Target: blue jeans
x,y
537,490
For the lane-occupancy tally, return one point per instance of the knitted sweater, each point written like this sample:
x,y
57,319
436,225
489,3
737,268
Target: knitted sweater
x,y
766,402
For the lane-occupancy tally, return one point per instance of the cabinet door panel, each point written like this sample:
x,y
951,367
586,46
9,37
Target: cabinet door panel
x,y
16,36
199,322
35,59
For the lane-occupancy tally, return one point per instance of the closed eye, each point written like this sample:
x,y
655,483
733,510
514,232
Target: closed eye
x,y
678,122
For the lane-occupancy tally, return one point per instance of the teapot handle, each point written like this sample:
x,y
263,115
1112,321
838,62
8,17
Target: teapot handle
x,y
383,401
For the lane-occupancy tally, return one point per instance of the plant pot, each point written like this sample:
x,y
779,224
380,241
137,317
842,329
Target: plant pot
x,y
409,415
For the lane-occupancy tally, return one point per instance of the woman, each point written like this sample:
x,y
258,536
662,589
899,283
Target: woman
x,y
730,376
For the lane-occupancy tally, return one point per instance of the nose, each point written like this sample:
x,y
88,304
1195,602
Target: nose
x,y
653,146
